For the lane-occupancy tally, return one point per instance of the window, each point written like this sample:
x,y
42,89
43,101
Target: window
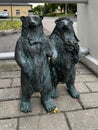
x,y
18,12
5,10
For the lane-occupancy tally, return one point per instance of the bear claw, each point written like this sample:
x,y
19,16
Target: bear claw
x,y
25,107
49,105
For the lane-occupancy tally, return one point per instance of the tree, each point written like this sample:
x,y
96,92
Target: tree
x,y
50,7
38,9
62,7
72,8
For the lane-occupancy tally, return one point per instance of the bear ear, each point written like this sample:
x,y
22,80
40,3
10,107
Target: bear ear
x,y
56,21
22,18
41,17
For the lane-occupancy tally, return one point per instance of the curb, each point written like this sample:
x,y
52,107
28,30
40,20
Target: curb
x,y
8,32
7,56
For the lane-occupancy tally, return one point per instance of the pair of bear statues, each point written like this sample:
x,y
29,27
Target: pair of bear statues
x,y
46,61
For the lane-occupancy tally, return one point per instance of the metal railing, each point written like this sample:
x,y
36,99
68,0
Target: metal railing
x,y
43,1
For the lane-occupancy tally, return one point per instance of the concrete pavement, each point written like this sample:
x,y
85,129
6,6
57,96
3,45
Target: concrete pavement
x,y
73,114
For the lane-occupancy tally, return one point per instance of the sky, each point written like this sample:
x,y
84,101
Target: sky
x,y
35,4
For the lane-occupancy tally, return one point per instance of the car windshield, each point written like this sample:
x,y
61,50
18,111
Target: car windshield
x,y
3,12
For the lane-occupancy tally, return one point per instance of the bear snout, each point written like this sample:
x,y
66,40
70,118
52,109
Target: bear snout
x,y
32,23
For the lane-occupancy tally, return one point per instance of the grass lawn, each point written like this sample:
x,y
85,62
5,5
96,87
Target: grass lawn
x,y
59,14
10,24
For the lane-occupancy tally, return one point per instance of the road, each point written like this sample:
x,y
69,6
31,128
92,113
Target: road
x,y
8,43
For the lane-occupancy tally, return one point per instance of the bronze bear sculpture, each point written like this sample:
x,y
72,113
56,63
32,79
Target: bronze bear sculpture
x,y
31,54
66,43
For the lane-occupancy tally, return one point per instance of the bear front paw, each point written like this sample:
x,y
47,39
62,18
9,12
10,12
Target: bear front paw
x,y
49,105
25,107
73,92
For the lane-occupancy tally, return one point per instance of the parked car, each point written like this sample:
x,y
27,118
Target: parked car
x,y
4,14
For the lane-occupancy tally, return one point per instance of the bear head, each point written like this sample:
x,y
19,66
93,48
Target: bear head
x,y
31,21
63,23
65,28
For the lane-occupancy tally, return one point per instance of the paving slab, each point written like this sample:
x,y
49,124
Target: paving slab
x,y
9,93
10,74
83,71
89,100
61,89
5,83
8,124
8,65
10,109
81,88
83,120
16,82
67,103
93,86
44,122
29,123
86,78
80,65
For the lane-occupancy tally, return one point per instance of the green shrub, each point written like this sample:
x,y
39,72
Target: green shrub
x,y
10,24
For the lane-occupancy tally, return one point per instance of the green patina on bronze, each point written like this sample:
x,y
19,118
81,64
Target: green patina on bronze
x,y
32,52
66,43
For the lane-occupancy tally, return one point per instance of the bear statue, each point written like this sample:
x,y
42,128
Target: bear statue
x,y
66,43
32,53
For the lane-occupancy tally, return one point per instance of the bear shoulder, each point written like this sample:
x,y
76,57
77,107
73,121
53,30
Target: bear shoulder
x,y
20,40
20,43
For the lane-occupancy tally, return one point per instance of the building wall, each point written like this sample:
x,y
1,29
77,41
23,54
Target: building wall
x,y
88,32
23,10
88,26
